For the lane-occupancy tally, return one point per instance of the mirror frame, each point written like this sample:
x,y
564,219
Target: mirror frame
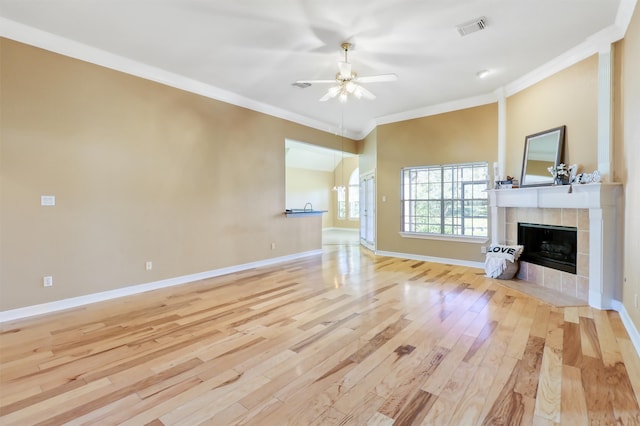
x,y
557,136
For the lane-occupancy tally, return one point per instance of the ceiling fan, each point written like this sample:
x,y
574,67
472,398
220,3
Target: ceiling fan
x,y
348,82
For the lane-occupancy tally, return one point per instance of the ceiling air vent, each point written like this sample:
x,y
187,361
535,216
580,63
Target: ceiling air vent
x,y
472,26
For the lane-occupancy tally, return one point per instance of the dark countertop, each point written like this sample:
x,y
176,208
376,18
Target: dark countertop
x,y
303,212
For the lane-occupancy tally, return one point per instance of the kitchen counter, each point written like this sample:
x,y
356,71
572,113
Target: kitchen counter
x,y
303,212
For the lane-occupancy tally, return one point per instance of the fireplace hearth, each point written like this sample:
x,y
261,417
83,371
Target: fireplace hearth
x,y
599,264
549,245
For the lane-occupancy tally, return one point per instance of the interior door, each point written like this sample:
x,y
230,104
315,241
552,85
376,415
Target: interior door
x,y
368,211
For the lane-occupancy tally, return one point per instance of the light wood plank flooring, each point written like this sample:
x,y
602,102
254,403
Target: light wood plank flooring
x,y
339,338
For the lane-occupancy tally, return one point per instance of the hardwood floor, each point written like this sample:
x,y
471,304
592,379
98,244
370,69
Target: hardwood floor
x,y
339,338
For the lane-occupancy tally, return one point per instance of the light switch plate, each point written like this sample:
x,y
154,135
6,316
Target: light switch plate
x,y
47,200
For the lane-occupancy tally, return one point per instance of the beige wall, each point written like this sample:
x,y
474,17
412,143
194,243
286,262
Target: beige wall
x,y
569,98
146,172
311,186
456,137
367,149
141,172
627,153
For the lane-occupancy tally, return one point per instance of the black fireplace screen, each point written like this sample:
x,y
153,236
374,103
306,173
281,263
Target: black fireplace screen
x,y
548,245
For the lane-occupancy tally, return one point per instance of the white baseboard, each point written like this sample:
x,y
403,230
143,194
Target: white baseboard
x,y
634,335
58,305
73,302
444,260
341,229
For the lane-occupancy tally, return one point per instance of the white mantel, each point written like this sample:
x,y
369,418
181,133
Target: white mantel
x,y
604,202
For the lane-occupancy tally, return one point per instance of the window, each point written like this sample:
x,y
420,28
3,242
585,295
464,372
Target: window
x,y
349,198
354,195
342,203
448,200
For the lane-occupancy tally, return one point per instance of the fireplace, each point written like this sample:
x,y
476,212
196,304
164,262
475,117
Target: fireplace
x,y
595,210
549,245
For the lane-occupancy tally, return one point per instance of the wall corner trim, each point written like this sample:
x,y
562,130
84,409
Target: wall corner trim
x,y
59,305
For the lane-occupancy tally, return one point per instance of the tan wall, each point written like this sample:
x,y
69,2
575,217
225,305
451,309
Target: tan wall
x,y
141,172
456,137
367,150
569,98
311,186
627,153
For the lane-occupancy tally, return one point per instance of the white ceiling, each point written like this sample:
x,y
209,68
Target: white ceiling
x,y
249,52
302,155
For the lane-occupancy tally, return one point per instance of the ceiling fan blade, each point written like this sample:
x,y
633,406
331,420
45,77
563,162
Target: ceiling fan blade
x,y
376,78
331,93
364,93
315,81
345,69
326,97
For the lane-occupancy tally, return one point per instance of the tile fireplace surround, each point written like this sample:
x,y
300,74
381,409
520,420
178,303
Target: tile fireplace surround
x,y
595,209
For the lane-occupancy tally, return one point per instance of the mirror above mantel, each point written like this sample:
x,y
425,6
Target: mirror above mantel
x,y
541,151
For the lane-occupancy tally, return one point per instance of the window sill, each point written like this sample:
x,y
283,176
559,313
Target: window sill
x,y
456,238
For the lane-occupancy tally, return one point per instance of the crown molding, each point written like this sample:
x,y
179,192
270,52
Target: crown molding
x,y
471,102
625,14
67,47
569,58
599,42
368,128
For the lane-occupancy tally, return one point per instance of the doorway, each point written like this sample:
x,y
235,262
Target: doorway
x,y
368,211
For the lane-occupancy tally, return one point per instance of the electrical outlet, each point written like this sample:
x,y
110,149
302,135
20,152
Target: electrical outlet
x,y
149,265
273,246
47,281
483,249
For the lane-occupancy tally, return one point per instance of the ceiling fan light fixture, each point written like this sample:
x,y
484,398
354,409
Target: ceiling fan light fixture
x,y
347,82
350,86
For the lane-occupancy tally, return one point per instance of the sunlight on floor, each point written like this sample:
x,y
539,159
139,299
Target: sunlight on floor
x,y
340,237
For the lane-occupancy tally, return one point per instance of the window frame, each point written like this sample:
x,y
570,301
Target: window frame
x,y
455,186
341,203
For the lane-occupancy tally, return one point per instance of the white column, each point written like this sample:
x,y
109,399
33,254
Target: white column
x,y
603,257
502,132
498,220
605,115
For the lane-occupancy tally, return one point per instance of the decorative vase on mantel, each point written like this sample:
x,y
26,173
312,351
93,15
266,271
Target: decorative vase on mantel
x,y
561,180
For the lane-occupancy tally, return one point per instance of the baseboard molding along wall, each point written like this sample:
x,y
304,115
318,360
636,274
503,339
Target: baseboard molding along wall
x,y
447,261
59,305
633,332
